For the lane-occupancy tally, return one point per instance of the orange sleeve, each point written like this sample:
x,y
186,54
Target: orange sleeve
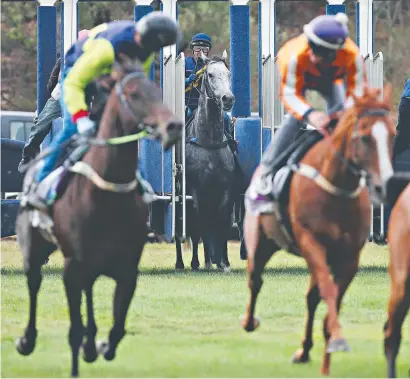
x,y
292,85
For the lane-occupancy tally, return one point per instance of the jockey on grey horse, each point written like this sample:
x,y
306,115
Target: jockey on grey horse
x,y
210,167
201,43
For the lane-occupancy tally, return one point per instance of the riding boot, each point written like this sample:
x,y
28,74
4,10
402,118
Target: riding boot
x,y
36,198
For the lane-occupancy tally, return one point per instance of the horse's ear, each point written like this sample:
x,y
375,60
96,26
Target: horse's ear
x,y
355,98
224,55
204,57
117,71
387,94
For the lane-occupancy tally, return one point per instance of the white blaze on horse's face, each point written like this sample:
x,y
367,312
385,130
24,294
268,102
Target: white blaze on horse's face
x,y
219,80
380,133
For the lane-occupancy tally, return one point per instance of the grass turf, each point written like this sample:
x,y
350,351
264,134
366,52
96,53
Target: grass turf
x,y
183,324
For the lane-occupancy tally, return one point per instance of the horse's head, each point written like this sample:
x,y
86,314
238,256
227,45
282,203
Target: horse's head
x,y
140,103
217,81
372,139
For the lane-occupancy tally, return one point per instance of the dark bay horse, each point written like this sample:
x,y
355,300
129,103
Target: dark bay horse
x,y
329,215
210,168
399,270
100,221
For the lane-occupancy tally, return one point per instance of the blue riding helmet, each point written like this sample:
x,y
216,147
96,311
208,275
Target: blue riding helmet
x,y
201,39
327,34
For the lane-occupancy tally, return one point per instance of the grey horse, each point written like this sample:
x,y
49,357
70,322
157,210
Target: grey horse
x,y
210,169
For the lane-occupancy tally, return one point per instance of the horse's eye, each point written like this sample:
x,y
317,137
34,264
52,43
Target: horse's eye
x,y
211,75
366,140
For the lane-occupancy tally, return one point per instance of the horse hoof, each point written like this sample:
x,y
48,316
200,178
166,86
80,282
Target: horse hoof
x,y
325,371
24,347
339,344
195,268
179,267
208,266
300,357
90,354
250,325
227,269
103,348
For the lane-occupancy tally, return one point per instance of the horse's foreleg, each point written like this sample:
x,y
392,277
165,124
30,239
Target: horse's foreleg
x,y
179,264
73,287
124,292
25,345
399,304
89,348
312,301
315,255
259,252
343,275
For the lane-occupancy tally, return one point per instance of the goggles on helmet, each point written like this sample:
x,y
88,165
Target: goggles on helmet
x,y
197,49
328,55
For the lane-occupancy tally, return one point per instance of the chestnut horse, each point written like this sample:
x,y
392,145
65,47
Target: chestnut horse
x,y
329,215
100,221
399,303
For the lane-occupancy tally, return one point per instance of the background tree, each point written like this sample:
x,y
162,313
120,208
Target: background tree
x,y
19,40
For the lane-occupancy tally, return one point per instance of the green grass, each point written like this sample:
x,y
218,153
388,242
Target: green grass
x,y
187,324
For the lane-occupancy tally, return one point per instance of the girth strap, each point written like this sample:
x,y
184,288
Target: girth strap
x,y
86,170
322,182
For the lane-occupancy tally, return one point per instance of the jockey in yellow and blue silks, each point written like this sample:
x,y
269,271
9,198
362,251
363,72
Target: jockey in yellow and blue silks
x,y
200,42
89,58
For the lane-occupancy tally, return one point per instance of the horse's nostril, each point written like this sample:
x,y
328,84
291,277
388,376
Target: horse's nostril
x,y
227,99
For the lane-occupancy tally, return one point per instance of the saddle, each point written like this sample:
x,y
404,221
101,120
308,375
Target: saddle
x,y
281,183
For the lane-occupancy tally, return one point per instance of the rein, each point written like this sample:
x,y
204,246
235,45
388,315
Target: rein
x,y
86,170
143,131
312,173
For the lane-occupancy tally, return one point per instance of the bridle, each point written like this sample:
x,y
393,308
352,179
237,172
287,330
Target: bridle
x,y
125,104
365,178
208,90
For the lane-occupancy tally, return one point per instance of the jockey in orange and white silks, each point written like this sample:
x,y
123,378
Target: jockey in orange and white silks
x,y
322,59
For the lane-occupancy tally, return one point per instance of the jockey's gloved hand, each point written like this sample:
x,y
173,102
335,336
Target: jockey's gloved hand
x,y
85,126
191,79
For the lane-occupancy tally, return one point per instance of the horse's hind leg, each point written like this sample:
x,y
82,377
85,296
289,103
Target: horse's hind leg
x,y
208,252
73,286
343,275
260,250
89,348
312,301
179,264
225,258
124,292
195,259
399,304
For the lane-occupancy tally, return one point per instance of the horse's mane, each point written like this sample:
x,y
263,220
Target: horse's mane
x,y
347,122
216,59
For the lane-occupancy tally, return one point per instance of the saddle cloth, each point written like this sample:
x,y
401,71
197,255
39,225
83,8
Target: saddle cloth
x,y
281,186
